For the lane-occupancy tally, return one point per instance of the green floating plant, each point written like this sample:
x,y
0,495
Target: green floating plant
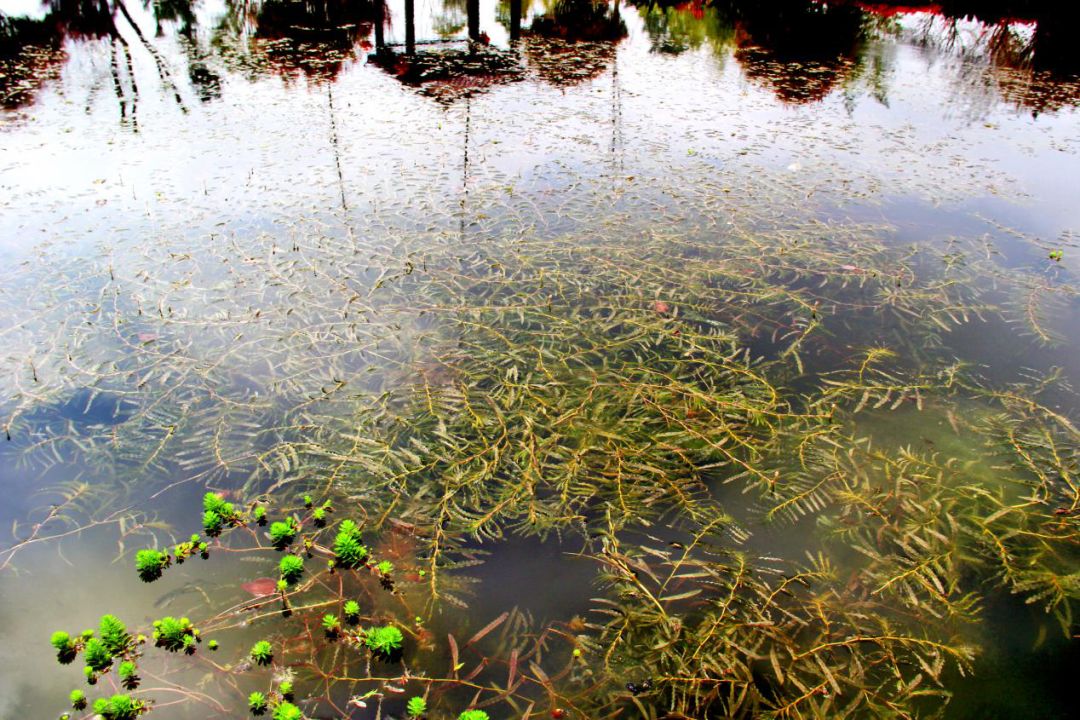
x,y
78,699
174,634
351,611
262,653
119,707
114,635
285,687
257,703
213,645
287,711
349,551
416,707
318,516
97,655
150,564
128,674
66,649
259,515
186,549
473,715
331,625
308,501
292,567
217,513
384,642
385,567
282,533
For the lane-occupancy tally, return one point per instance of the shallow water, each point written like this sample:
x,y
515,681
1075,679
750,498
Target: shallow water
x,y
260,247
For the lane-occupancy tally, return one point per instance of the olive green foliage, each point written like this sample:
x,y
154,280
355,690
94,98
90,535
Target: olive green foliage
x,y
262,652
291,567
349,551
150,564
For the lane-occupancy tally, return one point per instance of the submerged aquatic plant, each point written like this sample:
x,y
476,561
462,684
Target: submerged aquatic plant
x,y
283,532
97,655
262,652
416,707
114,634
150,564
128,674
473,715
291,567
349,551
174,634
384,642
287,711
257,703
119,707
66,648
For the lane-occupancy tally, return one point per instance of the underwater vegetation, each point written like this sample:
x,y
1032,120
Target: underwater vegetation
x,y
797,493
669,430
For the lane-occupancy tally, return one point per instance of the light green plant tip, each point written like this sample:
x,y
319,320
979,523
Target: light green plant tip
x,y
291,567
257,703
61,641
262,652
120,707
473,715
150,564
287,711
384,641
113,634
349,551
212,523
97,655
282,532
416,707
173,633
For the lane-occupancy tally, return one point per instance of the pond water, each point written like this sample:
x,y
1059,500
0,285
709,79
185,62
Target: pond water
x,y
700,359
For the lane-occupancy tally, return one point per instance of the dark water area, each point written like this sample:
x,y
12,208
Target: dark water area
x,y
683,359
